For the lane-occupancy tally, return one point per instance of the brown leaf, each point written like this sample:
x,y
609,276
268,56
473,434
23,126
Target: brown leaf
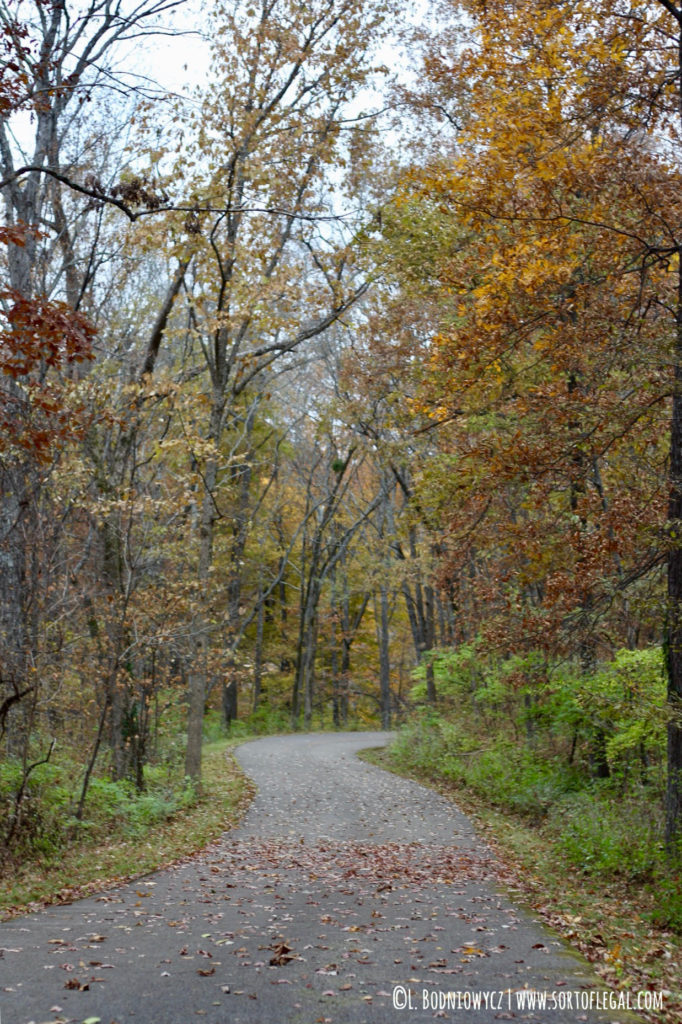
x,y
282,955
78,985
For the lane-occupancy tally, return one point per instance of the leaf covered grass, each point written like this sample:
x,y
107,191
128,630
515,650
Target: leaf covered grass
x,y
610,917
111,851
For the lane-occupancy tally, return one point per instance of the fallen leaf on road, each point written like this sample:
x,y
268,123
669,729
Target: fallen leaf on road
x,y
282,955
78,985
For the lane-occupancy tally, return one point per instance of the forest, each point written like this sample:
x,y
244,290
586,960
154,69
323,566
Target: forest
x,y
342,388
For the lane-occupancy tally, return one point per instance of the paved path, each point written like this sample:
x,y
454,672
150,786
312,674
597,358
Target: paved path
x,y
348,895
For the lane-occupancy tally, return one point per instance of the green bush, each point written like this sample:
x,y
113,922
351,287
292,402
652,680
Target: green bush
x,y
667,892
42,810
600,834
515,778
10,778
213,728
505,774
148,809
265,721
119,802
457,671
47,819
107,799
429,743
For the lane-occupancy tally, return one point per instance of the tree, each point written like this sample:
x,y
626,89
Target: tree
x,y
564,343
271,128
55,59
380,387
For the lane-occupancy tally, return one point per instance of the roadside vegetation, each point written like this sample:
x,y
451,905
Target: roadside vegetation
x,y
124,833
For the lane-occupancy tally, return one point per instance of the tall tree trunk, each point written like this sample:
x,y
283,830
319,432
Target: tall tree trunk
x,y
241,477
284,661
674,611
307,649
382,624
298,668
13,602
198,674
345,679
258,658
420,605
230,703
310,650
421,613
334,656
429,641
347,633
118,695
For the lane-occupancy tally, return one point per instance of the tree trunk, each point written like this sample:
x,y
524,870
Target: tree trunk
x,y
13,626
118,696
674,610
334,655
309,671
430,639
307,648
382,622
241,477
230,707
258,659
197,677
347,634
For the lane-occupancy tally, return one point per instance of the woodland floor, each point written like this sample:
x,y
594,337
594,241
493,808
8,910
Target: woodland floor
x,y
345,891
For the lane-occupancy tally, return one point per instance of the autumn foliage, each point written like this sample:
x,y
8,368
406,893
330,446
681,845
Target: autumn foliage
x,y
350,405
556,361
38,335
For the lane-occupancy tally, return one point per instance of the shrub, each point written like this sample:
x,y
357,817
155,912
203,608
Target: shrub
x,y
42,811
602,835
429,743
667,892
264,721
457,671
514,778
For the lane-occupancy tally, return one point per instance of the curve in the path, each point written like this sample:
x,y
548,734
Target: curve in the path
x,y
348,895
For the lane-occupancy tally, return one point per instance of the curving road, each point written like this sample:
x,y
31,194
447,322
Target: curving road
x,y
348,895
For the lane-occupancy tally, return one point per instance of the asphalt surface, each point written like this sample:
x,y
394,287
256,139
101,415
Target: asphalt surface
x,y
348,895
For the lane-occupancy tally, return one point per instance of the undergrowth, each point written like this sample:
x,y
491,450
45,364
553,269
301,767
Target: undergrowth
x,y
125,834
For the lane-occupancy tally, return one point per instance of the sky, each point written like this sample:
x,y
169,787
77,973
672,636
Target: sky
x,y
175,62
178,62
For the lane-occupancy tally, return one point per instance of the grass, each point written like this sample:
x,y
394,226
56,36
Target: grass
x,y
609,920
124,853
